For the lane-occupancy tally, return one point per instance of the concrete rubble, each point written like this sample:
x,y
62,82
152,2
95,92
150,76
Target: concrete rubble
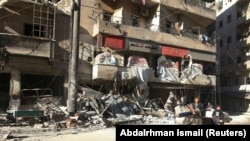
x,y
94,109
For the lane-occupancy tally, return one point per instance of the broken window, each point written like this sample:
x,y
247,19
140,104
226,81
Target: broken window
x,y
236,81
238,59
229,18
29,30
221,43
220,24
43,21
36,93
135,20
169,25
229,39
247,80
107,16
224,81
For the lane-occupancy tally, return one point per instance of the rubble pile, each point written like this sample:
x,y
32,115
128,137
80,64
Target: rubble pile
x,y
94,109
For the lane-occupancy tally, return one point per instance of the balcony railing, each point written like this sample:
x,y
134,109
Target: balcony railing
x,y
189,33
236,89
25,45
110,72
243,17
242,42
197,7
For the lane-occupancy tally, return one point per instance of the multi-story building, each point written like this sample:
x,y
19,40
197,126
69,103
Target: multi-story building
x,y
142,33
34,43
145,47
232,26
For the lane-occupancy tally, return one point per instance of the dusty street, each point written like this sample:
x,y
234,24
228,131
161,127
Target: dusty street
x,y
26,134
92,133
243,119
107,134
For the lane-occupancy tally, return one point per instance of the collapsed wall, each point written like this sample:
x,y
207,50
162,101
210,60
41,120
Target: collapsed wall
x,y
64,6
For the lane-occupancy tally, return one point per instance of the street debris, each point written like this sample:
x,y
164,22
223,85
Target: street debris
x,y
93,109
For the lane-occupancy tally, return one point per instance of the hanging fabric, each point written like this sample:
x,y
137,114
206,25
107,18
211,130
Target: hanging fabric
x,y
143,2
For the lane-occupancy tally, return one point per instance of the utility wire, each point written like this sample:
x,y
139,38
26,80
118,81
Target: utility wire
x,y
16,11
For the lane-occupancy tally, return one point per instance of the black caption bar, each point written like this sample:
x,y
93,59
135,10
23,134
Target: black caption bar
x,y
197,132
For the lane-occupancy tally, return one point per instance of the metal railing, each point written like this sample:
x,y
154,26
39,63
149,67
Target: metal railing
x,y
189,33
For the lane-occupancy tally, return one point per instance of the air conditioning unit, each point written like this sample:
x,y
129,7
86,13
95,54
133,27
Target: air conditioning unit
x,y
144,11
126,75
219,5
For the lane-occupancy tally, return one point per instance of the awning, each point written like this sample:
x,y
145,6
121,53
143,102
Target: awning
x,y
239,95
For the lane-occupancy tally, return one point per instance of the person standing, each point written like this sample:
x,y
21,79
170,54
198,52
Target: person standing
x,y
196,107
171,102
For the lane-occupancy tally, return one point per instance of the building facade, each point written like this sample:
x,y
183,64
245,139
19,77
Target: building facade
x,y
232,26
146,48
143,33
34,43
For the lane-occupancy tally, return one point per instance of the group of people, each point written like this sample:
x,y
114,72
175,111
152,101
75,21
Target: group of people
x,y
198,110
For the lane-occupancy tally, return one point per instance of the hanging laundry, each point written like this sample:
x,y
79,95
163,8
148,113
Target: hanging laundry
x,y
143,2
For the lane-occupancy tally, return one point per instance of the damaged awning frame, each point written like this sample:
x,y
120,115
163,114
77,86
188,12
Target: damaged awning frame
x,y
161,85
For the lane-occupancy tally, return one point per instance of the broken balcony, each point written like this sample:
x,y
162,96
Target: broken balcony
x,y
30,46
112,73
237,91
194,8
110,28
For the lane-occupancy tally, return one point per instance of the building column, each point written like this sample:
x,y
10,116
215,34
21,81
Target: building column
x,y
197,93
15,89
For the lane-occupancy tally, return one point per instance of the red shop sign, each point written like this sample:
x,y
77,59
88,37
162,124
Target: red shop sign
x,y
113,42
172,51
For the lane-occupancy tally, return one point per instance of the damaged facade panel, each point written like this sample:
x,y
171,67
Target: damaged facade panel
x,y
130,59
35,49
131,54
130,48
234,55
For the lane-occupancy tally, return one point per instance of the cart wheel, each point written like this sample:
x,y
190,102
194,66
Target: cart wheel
x,y
32,122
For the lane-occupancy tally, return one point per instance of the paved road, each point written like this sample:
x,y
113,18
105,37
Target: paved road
x,y
105,134
242,119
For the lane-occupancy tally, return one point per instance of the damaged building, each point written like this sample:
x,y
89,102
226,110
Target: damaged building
x,y
149,48
233,54
133,54
34,51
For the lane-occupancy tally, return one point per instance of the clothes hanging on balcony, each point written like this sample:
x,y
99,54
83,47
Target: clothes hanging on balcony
x,y
168,71
140,69
137,61
178,27
106,58
143,2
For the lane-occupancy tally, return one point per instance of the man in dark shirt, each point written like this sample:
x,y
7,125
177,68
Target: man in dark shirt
x,y
218,115
196,107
